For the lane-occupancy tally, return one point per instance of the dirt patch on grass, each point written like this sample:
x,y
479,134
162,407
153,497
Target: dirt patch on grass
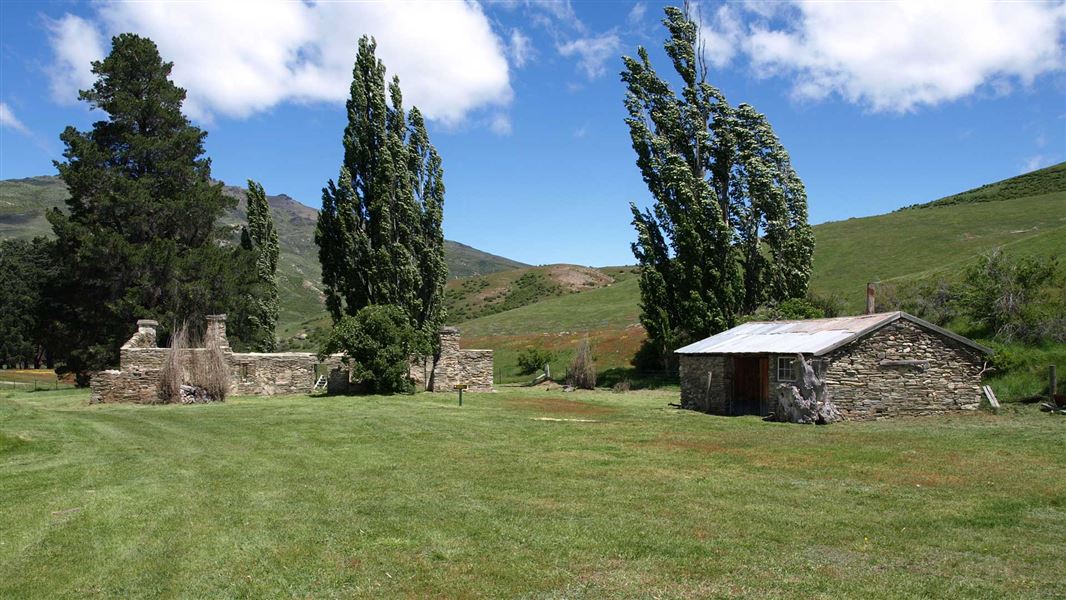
x,y
575,278
561,406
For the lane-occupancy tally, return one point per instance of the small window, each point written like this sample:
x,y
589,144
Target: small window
x,y
785,369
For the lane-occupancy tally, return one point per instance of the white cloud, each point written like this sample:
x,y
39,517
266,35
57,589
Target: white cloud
x,y
240,58
582,131
893,56
75,44
593,52
520,48
500,124
9,120
636,14
1038,161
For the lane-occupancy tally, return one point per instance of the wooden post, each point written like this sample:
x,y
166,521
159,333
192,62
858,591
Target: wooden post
x,y
871,296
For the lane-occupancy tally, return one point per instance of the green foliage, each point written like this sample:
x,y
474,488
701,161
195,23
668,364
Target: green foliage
x,y
261,238
1014,298
533,359
377,343
1036,183
139,237
728,230
788,310
379,231
25,266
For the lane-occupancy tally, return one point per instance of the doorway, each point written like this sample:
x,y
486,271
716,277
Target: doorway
x,y
751,385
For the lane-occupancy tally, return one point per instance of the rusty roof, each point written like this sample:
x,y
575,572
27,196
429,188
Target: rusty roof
x,y
809,336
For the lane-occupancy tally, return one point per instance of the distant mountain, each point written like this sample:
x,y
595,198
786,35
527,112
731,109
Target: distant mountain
x,y
23,203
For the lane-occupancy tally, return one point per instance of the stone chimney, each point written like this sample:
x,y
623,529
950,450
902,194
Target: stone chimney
x,y
216,332
871,298
145,336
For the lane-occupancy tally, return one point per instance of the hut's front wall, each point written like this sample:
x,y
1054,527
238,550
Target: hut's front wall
x,y
706,382
903,369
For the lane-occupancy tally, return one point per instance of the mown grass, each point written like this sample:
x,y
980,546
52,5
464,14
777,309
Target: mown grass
x,y
619,496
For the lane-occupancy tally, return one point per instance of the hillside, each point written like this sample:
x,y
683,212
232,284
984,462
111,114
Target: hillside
x,y
473,297
939,240
1035,183
23,203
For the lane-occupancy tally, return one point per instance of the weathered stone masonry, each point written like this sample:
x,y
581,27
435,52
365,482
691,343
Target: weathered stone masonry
x,y
899,369
141,363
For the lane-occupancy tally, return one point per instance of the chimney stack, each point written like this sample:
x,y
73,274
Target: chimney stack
x,y
871,296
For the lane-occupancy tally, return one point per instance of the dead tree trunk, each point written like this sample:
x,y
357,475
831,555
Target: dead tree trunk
x,y
805,400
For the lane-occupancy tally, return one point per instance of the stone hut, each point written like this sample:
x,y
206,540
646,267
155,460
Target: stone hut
x,y
266,374
874,365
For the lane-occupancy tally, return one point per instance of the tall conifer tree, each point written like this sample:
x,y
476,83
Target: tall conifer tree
x,y
379,231
261,238
728,229
139,238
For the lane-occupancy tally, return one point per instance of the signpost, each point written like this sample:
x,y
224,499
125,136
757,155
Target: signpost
x,y
460,387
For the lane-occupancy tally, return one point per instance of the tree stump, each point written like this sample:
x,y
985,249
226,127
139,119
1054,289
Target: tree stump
x,y
806,399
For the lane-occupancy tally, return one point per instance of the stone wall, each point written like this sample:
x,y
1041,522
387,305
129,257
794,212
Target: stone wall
x,y
706,382
258,374
453,366
864,383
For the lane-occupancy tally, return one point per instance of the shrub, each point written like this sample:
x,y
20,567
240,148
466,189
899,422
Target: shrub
x,y
173,374
211,373
1015,299
533,359
377,343
622,386
582,372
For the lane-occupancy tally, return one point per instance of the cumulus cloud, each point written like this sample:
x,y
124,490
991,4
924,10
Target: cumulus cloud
x,y
239,58
9,120
892,56
75,44
592,52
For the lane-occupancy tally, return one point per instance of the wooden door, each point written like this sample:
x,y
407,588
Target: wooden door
x,y
750,384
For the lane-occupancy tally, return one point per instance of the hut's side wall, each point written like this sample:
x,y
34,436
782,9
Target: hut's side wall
x,y
862,387
706,382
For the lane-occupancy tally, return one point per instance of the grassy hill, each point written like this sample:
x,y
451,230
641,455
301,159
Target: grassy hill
x,y
24,202
937,240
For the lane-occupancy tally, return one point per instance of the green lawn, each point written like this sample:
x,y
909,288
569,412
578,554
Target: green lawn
x,y
619,496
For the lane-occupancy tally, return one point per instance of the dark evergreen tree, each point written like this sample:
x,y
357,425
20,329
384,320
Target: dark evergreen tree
x,y
261,238
728,230
379,231
139,238
24,267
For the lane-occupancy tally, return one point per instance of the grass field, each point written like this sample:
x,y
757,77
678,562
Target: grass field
x,y
521,494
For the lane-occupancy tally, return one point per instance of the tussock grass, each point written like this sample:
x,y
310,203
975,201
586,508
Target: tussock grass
x,y
617,496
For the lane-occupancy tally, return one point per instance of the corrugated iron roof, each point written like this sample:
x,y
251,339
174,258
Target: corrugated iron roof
x,y
810,336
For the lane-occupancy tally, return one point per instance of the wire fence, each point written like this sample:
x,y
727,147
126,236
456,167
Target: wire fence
x,y
33,385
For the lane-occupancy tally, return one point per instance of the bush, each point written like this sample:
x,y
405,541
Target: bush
x,y
582,372
1015,299
377,344
533,359
173,374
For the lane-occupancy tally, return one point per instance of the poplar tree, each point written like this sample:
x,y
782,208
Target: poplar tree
x,y
728,228
139,238
261,238
379,231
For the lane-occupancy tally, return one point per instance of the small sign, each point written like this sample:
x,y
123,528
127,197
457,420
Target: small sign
x,y
460,387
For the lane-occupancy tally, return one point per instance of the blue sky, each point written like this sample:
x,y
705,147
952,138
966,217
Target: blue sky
x,y
879,104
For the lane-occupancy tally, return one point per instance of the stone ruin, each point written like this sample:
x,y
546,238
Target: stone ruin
x,y
265,374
